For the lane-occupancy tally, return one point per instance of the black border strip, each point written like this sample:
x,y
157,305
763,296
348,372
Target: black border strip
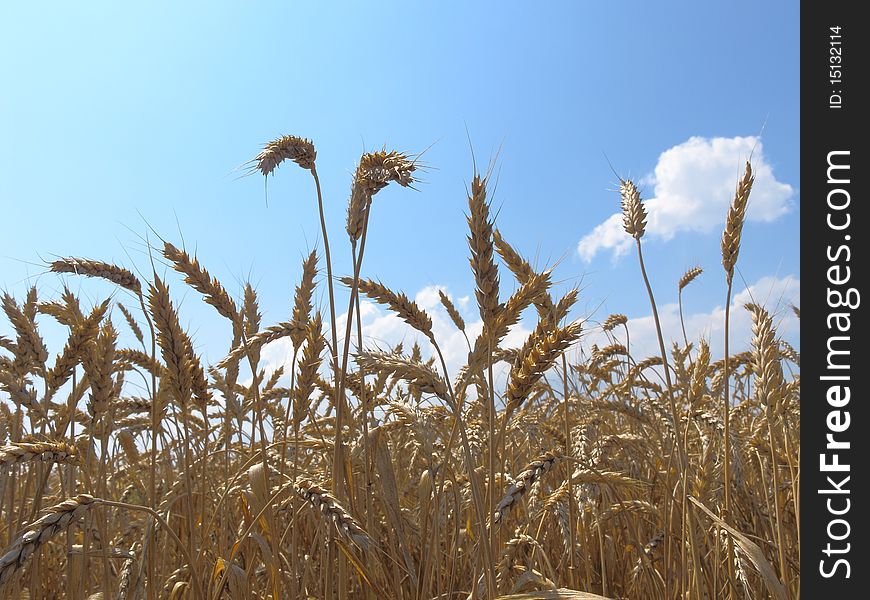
x,y
834,233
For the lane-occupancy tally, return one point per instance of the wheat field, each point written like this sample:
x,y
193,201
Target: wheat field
x,y
136,471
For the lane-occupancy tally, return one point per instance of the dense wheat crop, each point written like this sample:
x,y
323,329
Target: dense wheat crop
x,y
555,469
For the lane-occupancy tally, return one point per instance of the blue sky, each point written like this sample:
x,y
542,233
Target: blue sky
x,y
116,119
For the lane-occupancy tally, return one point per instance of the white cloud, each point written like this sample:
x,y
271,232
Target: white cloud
x,y
775,294
428,297
607,235
693,185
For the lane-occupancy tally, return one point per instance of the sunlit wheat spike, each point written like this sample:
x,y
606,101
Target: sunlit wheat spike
x,y
20,391
287,147
452,312
689,276
98,363
522,270
95,268
56,519
302,301
765,358
131,322
533,471
251,310
129,357
564,305
256,342
331,510
789,352
633,210
532,291
734,222
613,321
310,362
197,277
414,372
480,242
67,311
374,172
172,340
407,309
31,352
60,311
508,315
22,452
76,349
537,356
357,209
608,351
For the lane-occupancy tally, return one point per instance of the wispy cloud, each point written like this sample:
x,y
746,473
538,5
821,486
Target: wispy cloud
x,y
777,294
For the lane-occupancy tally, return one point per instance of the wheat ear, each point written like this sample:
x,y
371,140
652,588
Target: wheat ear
x,y
633,210
734,222
95,268
399,303
287,147
22,452
521,484
56,519
330,509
